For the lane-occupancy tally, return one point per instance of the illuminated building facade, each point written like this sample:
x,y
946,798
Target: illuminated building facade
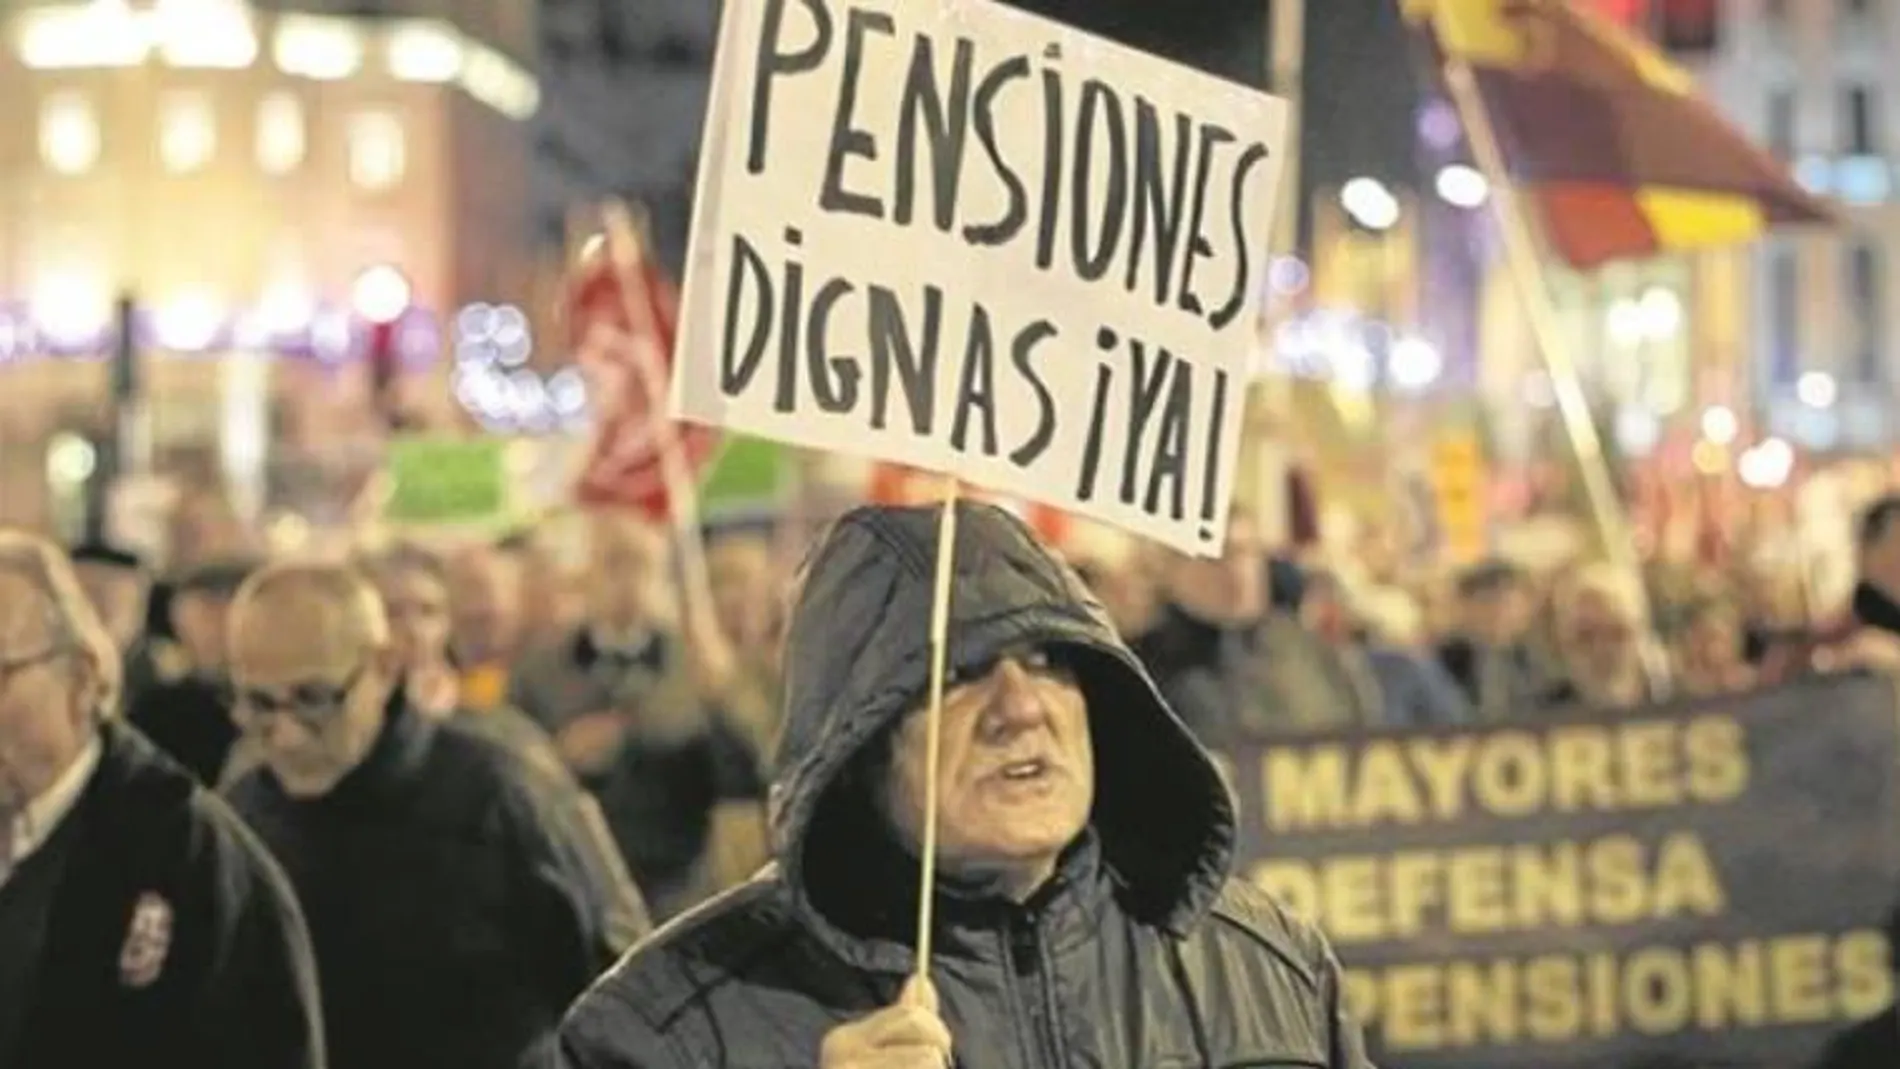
x,y
1815,81
268,182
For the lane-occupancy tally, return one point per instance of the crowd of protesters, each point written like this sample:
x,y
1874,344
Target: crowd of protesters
x,y
439,788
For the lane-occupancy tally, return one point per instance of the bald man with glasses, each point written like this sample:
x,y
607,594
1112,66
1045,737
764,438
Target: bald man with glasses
x,y
451,913
140,922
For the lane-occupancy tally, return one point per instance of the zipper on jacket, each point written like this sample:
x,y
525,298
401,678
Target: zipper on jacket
x,y
1036,993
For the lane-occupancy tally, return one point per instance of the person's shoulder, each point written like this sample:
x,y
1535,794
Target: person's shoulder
x,y
481,765
684,965
182,826
233,852
1251,915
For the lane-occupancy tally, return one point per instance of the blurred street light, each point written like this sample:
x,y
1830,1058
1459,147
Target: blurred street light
x,y
1662,312
1415,363
1719,424
1767,465
1369,203
381,294
189,323
1817,389
69,309
1462,186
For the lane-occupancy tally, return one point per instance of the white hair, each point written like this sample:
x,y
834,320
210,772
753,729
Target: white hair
x,y
73,617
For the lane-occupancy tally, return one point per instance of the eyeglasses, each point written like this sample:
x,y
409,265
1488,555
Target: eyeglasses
x,y
311,702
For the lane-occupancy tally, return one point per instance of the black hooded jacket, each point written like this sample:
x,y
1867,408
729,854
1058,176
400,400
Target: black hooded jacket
x,y
1141,952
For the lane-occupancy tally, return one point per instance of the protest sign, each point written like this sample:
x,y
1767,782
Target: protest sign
x,y
447,481
966,239
1695,886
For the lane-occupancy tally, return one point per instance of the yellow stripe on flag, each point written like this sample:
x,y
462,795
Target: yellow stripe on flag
x,y
1683,218
1473,30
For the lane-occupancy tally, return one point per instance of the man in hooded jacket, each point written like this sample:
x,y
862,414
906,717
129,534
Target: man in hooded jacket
x,y
1084,912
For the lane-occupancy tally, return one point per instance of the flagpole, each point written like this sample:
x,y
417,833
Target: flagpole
x,y
1527,272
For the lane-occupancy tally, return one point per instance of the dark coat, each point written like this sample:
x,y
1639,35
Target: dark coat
x,y
610,886
1141,952
452,916
235,987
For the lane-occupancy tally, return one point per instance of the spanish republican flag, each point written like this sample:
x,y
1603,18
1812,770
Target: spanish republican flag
x,y
1605,136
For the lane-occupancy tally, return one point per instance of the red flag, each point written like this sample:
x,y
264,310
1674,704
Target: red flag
x,y
621,315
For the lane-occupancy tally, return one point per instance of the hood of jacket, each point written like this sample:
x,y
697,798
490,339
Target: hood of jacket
x,y
858,658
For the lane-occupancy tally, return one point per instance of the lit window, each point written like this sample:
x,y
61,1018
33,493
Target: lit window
x,y
1867,311
69,133
187,131
280,133
1859,130
377,153
1781,123
203,33
317,48
1784,314
424,52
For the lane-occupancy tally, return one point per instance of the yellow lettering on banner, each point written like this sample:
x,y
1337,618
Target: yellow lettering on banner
x,y
1799,970
1414,1007
1386,792
1652,778
1866,987
1417,891
1487,890
1350,889
1481,1003
1477,899
1509,773
1548,886
1583,770
1510,778
1305,788
1717,750
1443,765
1604,1008
1730,987
1685,879
1620,883
1553,1012
1656,991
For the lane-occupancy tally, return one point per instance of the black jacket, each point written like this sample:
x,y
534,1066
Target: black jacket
x,y
451,914
164,934
1141,953
610,885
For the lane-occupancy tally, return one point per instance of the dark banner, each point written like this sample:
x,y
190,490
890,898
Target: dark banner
x,y
1692,886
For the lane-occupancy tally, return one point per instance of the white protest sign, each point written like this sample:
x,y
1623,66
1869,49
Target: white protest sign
x,y
951,235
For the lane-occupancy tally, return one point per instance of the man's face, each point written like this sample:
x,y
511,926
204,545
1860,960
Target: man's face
x,y
1230,591
1323,611
625,557
202,621
486,614
43,720
1498,615
741,575
1601,637
418,616
312,701
118,594
1016,774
